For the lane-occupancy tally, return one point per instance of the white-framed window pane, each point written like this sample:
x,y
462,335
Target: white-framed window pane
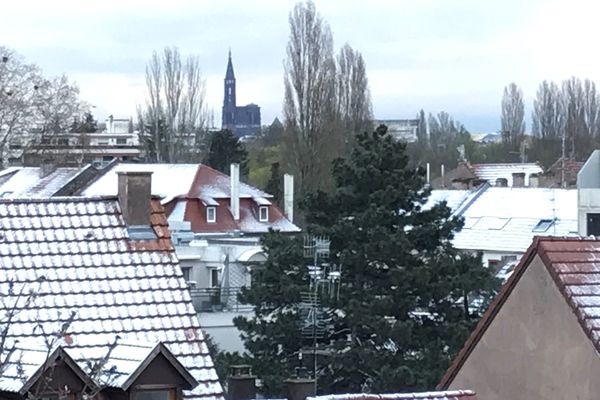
x,y
263,214
152,395
211,214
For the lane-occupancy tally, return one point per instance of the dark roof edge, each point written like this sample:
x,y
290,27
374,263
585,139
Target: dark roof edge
x,y
489,315
161,349
58,353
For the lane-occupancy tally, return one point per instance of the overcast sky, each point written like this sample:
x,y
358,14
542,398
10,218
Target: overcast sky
x,y
455,56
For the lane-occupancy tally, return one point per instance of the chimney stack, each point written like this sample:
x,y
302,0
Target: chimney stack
x,y
300,388
235,191
534,180
241,384
134,197
518,179
288,196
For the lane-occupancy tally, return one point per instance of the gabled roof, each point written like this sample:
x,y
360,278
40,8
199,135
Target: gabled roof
x,y
75,253
124,362
573,265
443,395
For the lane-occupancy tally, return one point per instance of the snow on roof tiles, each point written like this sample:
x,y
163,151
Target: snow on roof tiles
x,y
491,172
20,182
199,186
445,395
76,255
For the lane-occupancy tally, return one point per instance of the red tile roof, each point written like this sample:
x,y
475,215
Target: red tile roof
x,y
76,253
574,264
447,395
187,189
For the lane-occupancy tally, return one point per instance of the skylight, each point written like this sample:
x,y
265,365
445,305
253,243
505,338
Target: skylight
x,y
543,225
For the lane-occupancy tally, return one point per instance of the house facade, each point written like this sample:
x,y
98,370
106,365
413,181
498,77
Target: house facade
x,y
216,222
539,338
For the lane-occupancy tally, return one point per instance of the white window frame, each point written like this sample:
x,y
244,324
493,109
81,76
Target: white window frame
x,y
211,214
264,218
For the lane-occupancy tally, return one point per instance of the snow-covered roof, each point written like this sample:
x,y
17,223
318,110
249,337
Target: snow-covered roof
x,y
440,395
506,219
491,172
187,189
21,182
76,256
122,360
168,180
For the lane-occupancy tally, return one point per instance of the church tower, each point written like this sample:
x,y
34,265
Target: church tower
x,y
229,105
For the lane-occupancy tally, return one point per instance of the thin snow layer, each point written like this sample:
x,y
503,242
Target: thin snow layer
x,y
29,182
178,212
503,218
453,198
168,180
491,172
445,395
75,257
121,362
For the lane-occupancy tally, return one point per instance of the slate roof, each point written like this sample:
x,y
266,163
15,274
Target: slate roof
x,y
21,182
574,265
75,255
444,395
186,190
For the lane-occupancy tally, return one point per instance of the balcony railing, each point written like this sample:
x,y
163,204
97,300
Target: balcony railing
x,y
217,299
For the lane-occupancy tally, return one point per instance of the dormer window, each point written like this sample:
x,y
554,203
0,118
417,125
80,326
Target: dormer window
x,y
263,213
211,214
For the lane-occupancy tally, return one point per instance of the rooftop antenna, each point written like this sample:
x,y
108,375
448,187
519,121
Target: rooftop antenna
x,y
325,281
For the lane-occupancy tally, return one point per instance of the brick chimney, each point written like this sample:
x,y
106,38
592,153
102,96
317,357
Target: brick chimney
x,y
288,196
134,197
234,177
300,388
518,179
241,384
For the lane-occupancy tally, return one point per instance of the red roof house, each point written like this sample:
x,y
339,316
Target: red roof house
x,y
202,196
540,337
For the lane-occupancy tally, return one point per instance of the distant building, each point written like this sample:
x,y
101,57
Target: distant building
x,y
401,129
242,121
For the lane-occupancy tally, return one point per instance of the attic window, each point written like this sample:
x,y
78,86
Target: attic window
x,y
263,214
543,225
211,214
153,395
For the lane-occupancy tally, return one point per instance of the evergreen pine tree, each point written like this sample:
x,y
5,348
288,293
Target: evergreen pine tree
x,y
225,149
408,299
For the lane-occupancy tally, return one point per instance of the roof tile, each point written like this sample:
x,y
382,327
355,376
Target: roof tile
x,y
76,255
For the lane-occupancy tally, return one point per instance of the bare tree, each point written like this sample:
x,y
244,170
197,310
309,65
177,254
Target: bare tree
x,y
513,115
31,105
174,116
309,97
353,96
548,116
18,89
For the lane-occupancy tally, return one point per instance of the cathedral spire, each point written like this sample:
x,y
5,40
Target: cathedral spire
x,y
229,75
